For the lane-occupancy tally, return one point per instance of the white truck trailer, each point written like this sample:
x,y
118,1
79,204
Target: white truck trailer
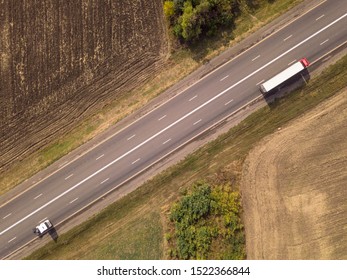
x,y
284,75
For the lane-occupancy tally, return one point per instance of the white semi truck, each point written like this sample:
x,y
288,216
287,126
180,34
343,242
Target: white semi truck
x,y
284,75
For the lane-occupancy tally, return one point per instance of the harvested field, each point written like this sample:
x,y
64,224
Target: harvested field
x,y
62,60
294,188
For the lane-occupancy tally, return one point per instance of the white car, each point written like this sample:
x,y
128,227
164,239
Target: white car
x,y
43,228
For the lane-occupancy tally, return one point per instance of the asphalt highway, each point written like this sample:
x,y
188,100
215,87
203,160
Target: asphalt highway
x,y
169,126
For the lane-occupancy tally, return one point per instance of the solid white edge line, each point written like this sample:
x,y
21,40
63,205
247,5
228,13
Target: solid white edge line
x,y
326,58
61,165
175,122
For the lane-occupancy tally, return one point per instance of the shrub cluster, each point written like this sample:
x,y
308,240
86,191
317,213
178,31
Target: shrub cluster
x,y
207,218
191,19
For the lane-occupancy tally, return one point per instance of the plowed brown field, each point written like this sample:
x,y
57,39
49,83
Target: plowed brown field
x,y
295,188
60,60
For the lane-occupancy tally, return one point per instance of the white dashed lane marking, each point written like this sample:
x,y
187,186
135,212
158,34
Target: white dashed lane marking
x,y
7,216
37,196
229,102
197,122
99,157
104,181
224,78
285,39
260,82
318,18
324,42
72,201
292,62
193,98
167,141
69,176
42,220
12,239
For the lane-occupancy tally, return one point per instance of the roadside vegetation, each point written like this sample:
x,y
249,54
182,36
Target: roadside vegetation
x,y
182,61
147,216
191,20
207,224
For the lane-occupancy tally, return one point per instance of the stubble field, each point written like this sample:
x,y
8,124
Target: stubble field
x,y
60,61
294,188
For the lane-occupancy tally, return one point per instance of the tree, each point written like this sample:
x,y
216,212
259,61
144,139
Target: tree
x,y
169,9
189,22
192,19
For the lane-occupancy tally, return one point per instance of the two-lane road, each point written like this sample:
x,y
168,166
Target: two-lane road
x,y
169,126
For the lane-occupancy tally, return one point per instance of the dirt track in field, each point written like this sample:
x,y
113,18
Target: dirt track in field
x,y
294,188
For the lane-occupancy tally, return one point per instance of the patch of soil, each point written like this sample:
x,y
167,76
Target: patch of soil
x,y
294,188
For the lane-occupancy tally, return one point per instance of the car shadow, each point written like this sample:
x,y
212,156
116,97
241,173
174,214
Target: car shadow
x,y
53,234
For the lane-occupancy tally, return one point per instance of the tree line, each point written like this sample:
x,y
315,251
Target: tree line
x,y
193,19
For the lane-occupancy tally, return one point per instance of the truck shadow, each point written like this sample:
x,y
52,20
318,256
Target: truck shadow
x,y
53,234
296,82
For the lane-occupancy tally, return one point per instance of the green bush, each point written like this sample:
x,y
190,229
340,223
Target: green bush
x,y
169,9
203,216
191,19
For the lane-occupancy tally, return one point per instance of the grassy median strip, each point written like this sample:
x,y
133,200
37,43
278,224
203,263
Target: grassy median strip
x,y
180,63
134,227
